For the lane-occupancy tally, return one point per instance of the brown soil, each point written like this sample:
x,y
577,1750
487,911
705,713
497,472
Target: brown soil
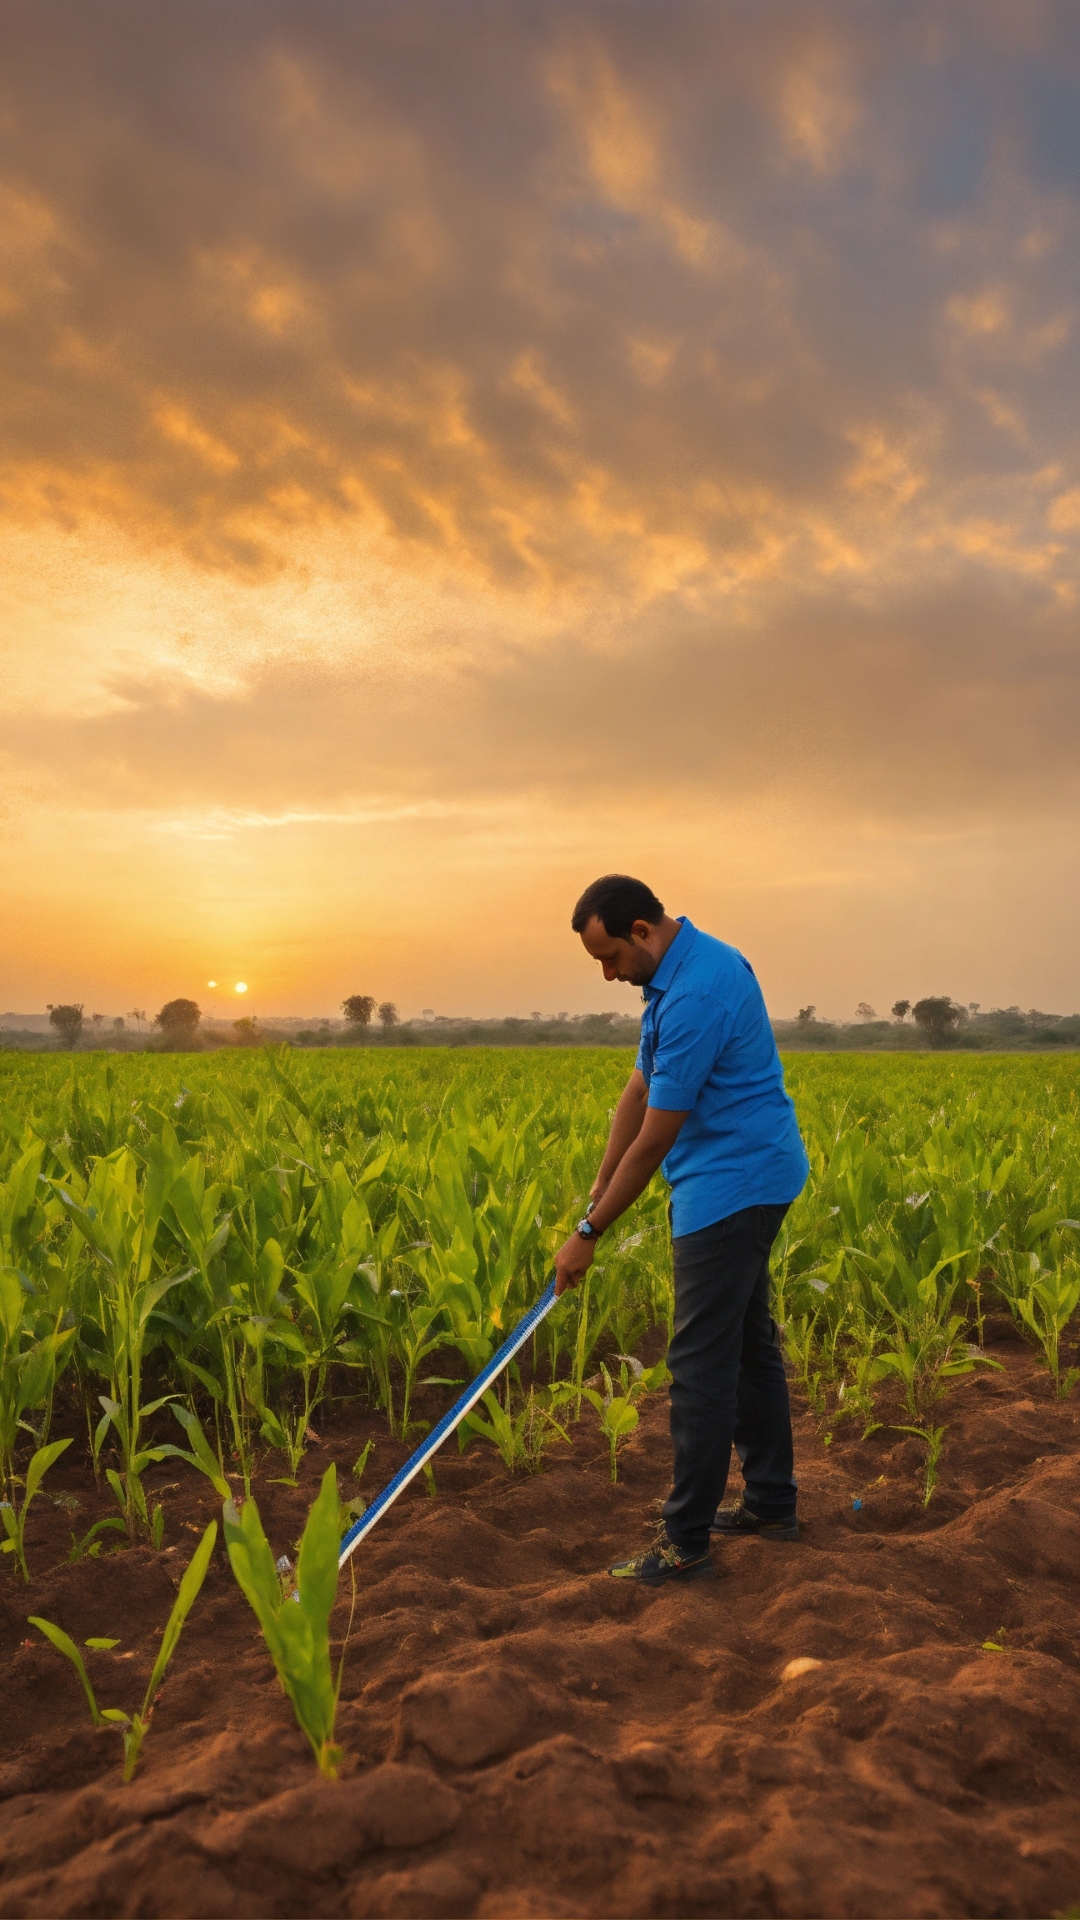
x,y
528,1737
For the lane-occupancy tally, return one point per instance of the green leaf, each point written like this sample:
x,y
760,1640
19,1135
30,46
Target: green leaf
x,y
317,1564
253,1564
194,1575
212,1386
201,1455
101,1645
620,1418
271,1429
145,1412
39,1466
65,1645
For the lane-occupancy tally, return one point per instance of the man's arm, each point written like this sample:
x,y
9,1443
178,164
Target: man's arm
x,y
655,1136
625,1127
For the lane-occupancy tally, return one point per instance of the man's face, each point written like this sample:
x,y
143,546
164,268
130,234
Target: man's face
x,y
630,958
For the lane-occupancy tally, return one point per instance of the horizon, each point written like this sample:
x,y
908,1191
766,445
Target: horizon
x,y
861,1016
449,459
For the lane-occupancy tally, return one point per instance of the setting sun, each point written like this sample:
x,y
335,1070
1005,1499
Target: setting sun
x,y
241,986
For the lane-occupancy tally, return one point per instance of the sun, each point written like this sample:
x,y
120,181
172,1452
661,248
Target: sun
x,y
211,983
241,986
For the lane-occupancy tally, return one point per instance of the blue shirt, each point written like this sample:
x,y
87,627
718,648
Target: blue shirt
x,y
707,1049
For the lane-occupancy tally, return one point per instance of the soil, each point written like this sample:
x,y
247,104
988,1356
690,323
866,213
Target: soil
x,y
525,1736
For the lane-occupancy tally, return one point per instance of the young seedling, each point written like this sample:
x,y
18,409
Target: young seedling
x,y
933,1439
65,1645
1046,1310
14,1518
89,1546
523,1437
135,1726
618,1414
296,1624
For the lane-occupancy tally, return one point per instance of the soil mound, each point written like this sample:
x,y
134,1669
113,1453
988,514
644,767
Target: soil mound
x,y
818,1731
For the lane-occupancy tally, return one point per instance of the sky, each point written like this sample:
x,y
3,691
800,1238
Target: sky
x,y
451,451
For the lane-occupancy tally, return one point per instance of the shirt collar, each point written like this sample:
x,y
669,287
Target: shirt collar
x,y
673,958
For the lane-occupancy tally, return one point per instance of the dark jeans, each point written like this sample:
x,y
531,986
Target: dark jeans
x,y
728,1382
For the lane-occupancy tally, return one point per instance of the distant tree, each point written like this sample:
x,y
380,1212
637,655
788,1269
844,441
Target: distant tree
x,y
974,1005
900,1010
805,1016
246,1031
388,1014
938,1016
97,1019
865,1011
138,1014
119,1023
68,1022
537,1016
178,1021
358,1009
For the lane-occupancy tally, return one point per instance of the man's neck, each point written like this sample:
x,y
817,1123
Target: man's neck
x,y
668,930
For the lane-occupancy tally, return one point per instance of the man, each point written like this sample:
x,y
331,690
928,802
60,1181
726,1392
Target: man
x,y
705,1101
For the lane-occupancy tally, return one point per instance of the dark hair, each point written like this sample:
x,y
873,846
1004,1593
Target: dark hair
x,y
617,901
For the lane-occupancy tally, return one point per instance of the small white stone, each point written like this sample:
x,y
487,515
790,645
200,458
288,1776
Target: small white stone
x,y
795,1668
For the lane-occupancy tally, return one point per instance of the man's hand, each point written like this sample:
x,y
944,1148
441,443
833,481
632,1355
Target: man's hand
x,y
572,1262
654,1135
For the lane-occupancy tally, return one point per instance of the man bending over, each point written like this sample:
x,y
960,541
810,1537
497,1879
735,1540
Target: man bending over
x,y
705,1101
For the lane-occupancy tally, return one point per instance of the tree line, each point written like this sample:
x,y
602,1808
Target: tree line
x,y
179,1020
937,1014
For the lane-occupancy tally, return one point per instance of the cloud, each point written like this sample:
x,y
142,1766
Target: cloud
x,y
416,413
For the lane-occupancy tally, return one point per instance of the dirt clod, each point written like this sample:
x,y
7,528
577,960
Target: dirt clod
x,y
465,1718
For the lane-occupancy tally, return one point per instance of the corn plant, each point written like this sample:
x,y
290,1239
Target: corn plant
x,y
1044,1301
119,1219
371,1211
89,1547
618,1413
135,1726
14,1515
933,1439
28,1370
522,1437
296,1625
65,1645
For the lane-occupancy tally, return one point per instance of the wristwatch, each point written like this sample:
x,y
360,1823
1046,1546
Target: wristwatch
x,y
587,1230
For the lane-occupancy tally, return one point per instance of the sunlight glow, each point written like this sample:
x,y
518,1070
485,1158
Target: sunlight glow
x,y
241,986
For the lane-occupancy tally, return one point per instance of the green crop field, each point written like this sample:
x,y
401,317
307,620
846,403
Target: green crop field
x,y
236,1237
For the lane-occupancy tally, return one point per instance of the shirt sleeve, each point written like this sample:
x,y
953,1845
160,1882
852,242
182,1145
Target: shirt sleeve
x,y
691,1031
